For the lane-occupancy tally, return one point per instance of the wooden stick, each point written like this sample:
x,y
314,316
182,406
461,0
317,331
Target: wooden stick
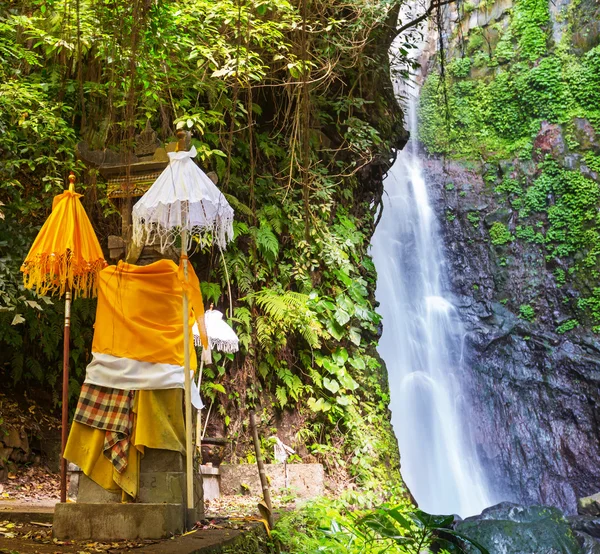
x,y
199,414
261,468
189,454
65,398
228,282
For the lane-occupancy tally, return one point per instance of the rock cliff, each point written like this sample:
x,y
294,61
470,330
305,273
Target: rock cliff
x,y
510,136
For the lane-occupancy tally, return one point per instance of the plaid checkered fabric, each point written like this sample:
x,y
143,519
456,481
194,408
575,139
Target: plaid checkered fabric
x,y
110,410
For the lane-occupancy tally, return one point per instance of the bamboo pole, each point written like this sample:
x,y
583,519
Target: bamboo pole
x,y
261,468
189,455
65,398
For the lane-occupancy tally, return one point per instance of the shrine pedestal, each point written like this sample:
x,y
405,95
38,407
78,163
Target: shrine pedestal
x,y
159,510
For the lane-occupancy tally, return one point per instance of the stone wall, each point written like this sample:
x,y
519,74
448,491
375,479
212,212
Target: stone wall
x,y
303,480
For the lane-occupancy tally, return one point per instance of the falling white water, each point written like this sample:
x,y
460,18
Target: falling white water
x,y
422,346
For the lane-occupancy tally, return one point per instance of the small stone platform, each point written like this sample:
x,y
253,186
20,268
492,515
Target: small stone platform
x,y
32,534
158,512
108,522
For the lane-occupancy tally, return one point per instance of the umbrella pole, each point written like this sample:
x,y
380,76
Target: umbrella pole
x,y
65,398
189,460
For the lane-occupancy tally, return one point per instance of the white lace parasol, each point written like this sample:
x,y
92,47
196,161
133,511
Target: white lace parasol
x,y
220,335
183,198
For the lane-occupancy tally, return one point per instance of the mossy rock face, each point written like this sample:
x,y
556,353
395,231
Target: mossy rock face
x,y
513,529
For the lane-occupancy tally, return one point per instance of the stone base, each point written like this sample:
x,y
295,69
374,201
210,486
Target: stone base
x,y
112,522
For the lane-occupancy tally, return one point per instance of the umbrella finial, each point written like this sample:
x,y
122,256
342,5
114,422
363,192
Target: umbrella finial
x,y
182,141
72,181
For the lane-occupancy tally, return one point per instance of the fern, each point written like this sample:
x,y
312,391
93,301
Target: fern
x,y
237,205
278,306
239,267
271,216
263,332
290,311
267,243
211,292
281,395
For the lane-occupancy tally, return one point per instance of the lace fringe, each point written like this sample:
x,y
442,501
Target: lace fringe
x,y
229,347
151,230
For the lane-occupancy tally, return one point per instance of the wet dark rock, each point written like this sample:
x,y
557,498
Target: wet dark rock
x,y
585,135
534,394
513,529
501,215
589,525
549,140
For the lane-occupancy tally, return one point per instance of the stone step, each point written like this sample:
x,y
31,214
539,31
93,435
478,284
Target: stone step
x,y
113,522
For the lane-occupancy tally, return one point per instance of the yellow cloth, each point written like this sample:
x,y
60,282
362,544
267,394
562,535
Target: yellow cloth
x,y
139,314
66,254
158,423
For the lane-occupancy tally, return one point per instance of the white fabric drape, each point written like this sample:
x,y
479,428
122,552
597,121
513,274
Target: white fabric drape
x,y
114,372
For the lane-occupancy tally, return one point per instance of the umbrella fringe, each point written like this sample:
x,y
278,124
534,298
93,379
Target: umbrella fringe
x,y
153,231
229,347
57,274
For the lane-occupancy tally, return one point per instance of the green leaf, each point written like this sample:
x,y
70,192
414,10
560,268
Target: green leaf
x,y
354,335
331,385
347,381
344,400
18,319
341,317
340,355
357,363
335,330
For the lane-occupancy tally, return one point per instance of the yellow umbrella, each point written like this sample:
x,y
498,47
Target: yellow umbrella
x,y
65,259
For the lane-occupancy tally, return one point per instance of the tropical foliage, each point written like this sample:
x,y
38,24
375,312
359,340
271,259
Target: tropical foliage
x,y
292,108
341,527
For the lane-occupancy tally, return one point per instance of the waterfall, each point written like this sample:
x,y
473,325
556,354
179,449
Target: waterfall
x,y
422,346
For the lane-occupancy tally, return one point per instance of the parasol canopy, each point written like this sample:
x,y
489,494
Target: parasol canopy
x,y
182,199
65,258
220,335
66,255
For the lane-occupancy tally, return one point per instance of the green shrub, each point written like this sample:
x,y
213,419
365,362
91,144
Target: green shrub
x,y
526,312
499,234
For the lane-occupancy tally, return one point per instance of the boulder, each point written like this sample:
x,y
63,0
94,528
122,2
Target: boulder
x,y
13,438
513,529
589,505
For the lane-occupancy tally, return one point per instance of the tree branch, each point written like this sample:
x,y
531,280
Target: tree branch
x,y
422,17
